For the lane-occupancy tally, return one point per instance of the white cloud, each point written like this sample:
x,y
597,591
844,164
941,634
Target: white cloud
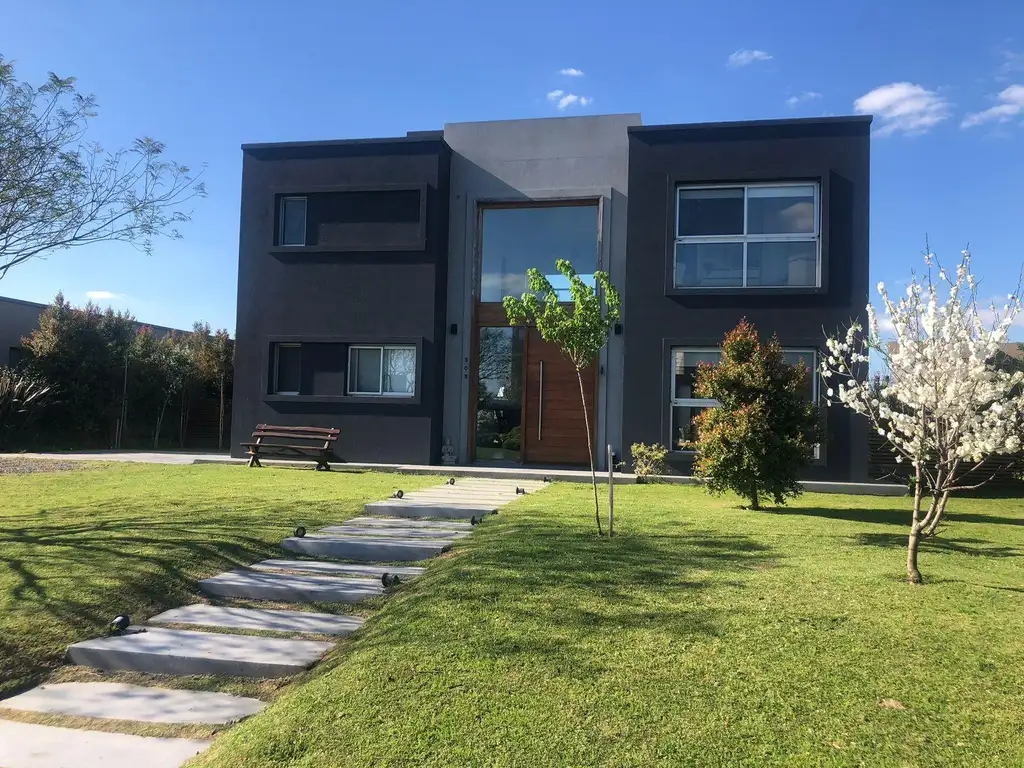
x,y
104,295
1012,62
1012,105
745,56
565,100
904,107
802,97
571,72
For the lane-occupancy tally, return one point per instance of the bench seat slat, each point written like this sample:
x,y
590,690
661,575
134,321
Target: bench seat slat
x,y
273,428
287,435
261,446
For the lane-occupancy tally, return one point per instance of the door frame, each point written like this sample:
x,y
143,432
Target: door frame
x,y
492,314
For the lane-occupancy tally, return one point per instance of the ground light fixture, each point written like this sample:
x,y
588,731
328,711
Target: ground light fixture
x,y
300,531
520,491
398,494
451,481
390,580
120,623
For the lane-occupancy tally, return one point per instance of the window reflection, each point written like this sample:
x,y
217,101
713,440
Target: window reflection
x,y
499,406
516,239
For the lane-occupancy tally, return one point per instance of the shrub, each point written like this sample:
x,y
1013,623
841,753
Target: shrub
x,y
648,460
22,396
763,433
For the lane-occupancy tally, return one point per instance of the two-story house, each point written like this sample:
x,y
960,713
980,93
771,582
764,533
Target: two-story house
x,y
371,274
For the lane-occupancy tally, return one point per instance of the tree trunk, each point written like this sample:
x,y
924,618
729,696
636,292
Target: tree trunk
x,y
220,424
913,574
590,451
159,423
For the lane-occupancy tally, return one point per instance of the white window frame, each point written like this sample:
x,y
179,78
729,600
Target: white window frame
x,y
745,238
277,366
380,374
280,225
707,402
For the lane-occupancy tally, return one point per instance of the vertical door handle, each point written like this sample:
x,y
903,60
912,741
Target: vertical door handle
x,y
540,400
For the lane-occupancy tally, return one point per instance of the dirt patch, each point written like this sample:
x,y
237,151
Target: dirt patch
x,y
9,466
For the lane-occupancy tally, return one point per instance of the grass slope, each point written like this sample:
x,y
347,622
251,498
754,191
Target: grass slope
x,y
702,635
79,547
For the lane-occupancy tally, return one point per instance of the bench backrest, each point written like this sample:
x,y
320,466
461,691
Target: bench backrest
x,y
324,434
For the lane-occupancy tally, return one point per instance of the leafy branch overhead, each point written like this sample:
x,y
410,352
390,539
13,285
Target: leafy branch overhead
x,y
59,190
581,329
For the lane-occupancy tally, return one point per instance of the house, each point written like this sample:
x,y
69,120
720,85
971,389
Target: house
x,y
371,274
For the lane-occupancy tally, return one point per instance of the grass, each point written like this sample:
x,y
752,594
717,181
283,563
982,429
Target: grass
x,y
702,635
79,547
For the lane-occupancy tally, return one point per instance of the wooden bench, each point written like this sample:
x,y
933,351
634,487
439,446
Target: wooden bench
x,y
317,444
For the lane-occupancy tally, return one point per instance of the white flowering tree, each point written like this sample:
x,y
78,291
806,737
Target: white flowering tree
x,y
945,406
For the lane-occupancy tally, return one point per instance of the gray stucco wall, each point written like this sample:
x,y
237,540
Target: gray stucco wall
x,y
543,159
17,319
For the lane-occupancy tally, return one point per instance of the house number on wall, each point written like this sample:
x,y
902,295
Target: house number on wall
x,y
465,367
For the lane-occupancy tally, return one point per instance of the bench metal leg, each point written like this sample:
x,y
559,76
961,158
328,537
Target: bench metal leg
x,y
254,460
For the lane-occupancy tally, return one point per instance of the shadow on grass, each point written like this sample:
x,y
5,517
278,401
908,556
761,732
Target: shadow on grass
x,y
977,547
892,516
540,592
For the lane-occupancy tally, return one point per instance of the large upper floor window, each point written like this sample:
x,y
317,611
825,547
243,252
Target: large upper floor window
x,y
514,239
685,405
748,236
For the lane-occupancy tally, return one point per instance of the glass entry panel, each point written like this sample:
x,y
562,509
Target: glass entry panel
x,y
499,400
515,239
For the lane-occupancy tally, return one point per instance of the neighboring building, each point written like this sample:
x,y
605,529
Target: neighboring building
x,y
371,274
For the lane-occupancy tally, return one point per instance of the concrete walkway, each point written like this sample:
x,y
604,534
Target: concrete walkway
x,y
161,647
510,474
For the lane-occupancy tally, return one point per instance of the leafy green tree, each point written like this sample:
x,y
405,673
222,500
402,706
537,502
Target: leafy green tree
x,y
580,331
59,190
215,355
81,353
763,433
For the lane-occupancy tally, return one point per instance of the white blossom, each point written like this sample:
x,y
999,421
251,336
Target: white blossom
x,y
945,405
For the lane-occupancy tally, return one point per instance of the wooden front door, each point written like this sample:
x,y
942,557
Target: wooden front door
x,y
554,431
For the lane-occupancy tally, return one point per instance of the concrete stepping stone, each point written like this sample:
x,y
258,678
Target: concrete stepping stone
x,y
24,745
406,523
420,533
367,548
410,508
283,587
185,652
118,701
325,568
252,618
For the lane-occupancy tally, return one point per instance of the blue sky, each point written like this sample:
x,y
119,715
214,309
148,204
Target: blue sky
x,y
204,77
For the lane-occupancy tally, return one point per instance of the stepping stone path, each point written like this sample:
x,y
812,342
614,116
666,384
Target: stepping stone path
x,y
392,531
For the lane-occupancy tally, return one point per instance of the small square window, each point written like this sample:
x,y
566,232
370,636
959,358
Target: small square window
x,y
292,228
287,369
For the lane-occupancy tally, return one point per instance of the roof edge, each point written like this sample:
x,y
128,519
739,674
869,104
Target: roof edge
x,y
783,121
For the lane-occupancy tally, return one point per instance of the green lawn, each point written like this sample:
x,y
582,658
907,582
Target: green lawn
x,y
79,547
701,635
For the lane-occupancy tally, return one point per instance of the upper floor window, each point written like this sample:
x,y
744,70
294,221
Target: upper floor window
x,y
292,226
748,236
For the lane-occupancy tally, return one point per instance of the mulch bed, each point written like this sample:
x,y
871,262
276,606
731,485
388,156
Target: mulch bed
x,y
26,466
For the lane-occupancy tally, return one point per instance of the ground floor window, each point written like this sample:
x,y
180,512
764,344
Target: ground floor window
x,y
341,369
685,406
385,370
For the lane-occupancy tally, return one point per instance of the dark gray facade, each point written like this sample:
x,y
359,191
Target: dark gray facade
x,y
373,265
372,271
832,153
